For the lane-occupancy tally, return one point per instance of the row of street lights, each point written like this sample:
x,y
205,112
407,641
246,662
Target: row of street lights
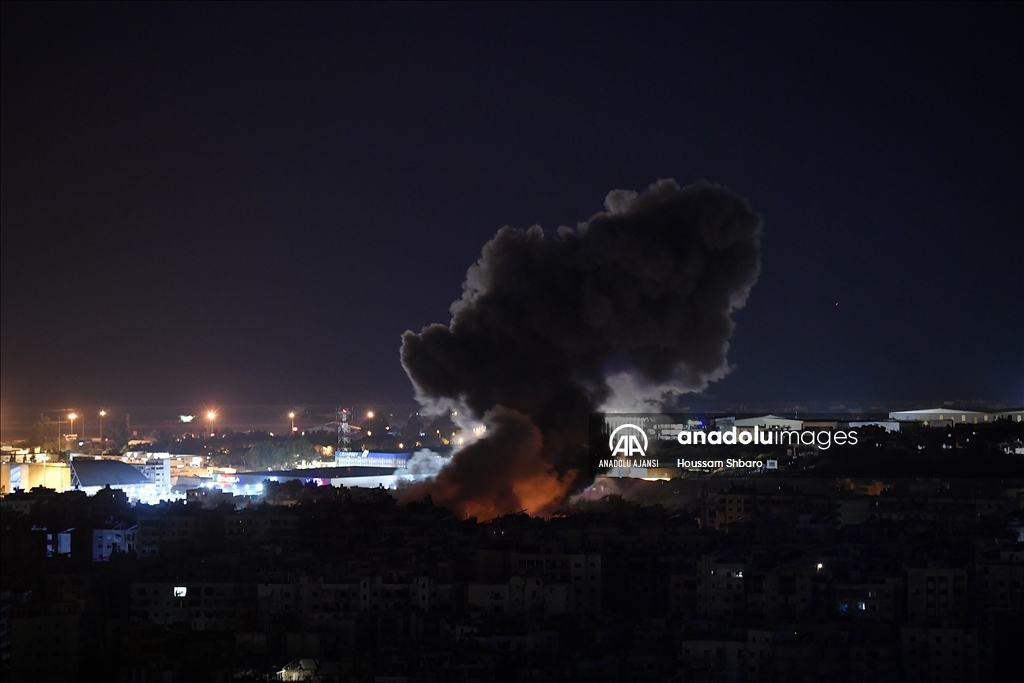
x,y
72,416
291,416
211,416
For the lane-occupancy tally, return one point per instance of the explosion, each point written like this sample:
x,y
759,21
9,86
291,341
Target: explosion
x,y
631,307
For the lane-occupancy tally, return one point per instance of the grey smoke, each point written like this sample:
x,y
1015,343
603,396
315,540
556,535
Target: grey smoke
x,y
423,463
633,303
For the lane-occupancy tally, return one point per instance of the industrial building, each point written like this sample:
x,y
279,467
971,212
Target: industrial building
x,y
26,476
939,417
140,482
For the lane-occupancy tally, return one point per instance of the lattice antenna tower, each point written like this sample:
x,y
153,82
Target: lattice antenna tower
x,y
344,429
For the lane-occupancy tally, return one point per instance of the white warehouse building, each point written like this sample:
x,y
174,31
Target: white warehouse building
x,y
956,416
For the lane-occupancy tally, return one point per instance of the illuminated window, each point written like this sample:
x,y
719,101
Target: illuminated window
x,y
180,591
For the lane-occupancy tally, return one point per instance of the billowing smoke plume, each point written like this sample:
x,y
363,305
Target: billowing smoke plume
x,y
635,302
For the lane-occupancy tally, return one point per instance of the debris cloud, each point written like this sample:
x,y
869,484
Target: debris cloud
x,y
628,309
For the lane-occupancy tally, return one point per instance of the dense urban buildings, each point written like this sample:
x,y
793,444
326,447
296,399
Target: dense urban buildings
x,y
717,578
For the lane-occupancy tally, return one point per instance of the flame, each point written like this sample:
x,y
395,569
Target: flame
x,y
542,494
509,470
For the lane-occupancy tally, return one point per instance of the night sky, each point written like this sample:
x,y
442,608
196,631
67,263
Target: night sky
x,y
249,204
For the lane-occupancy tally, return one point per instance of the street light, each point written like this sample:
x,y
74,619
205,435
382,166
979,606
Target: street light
x,y
103,414
369,415
210,417
71,417
291,416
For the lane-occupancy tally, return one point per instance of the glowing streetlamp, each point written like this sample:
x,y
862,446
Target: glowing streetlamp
x,y
210,417
291,416
103,414
71,417
369,415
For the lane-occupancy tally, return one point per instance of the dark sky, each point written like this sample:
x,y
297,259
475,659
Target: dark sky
x,y
250,203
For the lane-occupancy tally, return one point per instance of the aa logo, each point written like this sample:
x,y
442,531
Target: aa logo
x,y
628,444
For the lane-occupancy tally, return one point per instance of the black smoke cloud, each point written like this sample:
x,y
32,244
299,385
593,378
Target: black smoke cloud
x,y
637,300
